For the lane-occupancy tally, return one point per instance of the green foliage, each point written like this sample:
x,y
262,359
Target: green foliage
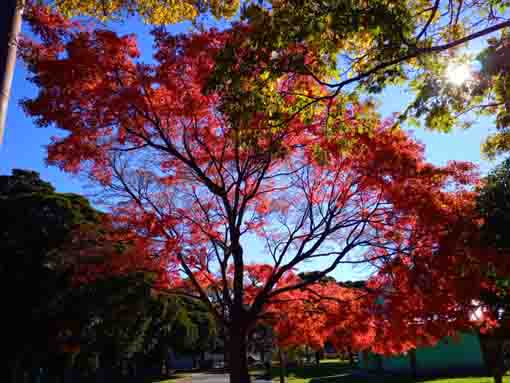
x,y
116,316
151,11
312,275
308,275
195,328
496,144
494,207
113,313
327,29
354,284
493,204
361,47
36,221
124,318
35,218
445,105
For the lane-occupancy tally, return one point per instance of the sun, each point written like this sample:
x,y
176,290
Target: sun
x,y
458,74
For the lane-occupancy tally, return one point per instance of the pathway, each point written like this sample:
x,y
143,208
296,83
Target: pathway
x,y
346,377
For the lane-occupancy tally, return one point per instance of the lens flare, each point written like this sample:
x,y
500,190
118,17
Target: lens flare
x,y
458,74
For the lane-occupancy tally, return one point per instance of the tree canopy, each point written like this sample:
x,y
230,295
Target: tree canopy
x,y
157,12
365,47
192,165
72,297
493,207
267,131
360,48
36,222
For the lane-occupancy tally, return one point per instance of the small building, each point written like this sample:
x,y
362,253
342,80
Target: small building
x,y
450,356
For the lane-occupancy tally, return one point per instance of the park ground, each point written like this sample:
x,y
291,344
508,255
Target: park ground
x,y
327,372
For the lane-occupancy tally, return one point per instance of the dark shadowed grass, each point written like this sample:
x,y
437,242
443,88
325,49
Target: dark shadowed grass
x,y
326,368
335,371
394,379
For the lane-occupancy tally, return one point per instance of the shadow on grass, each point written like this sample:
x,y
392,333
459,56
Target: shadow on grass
x,y
358,378
355,378
307,372
340,372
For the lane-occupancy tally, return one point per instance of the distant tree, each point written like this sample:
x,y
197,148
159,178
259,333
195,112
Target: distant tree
x,y
125,319
35,222
494,206
182,324
321,313
82,286
316,276
493,203
354,284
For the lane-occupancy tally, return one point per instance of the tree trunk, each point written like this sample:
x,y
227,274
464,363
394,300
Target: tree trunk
x,y
317,358
226,350
202,358
10,25
351,357
379,361
238,362
365,359
15,369
492,351
267,365
282,360
412,362
226,357
100,370
68,375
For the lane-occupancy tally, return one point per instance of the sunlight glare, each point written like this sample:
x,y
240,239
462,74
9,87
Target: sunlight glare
x,y
458,74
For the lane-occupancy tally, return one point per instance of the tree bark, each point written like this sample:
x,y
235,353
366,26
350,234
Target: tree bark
x,y
351,357
238,361
281,358
412,362
267,365
69,368
365,359
379,363
226,352
15,369
492,351
10,25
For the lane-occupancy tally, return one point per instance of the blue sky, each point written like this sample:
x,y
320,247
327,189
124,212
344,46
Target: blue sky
x,y
24,143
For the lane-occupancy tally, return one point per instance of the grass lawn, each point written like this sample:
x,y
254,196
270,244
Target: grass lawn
x,y
475,379
354,379
308,373
176,378
335,371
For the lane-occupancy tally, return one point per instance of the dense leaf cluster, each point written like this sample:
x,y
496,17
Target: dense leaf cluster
x,y
50,318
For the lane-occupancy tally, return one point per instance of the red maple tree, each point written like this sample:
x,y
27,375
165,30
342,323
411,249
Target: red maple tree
x,y
193,181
